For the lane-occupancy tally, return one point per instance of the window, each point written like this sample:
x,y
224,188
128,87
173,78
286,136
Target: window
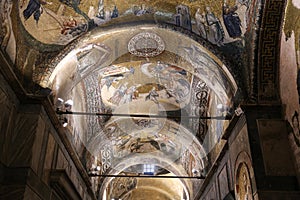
x,y
149,169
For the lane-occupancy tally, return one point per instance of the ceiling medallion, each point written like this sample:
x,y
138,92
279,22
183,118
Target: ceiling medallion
x,y
146,44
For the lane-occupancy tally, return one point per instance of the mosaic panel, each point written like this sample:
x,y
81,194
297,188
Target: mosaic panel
x,y
268,55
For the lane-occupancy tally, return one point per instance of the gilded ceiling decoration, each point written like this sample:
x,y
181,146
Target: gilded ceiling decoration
x,y
191,83
115,67
61,21
146,44
120,59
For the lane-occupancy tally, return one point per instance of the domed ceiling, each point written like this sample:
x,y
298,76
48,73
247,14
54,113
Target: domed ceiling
x,y
144,91
145,86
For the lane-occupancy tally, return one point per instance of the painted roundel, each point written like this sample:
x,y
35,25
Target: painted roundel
x,y
146,44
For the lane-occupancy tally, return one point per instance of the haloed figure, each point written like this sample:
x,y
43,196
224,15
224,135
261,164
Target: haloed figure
x,y
215,29
152,95
201,23
232,21
34,8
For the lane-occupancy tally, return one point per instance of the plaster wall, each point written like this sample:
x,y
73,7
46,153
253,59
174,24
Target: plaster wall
x,y
289,91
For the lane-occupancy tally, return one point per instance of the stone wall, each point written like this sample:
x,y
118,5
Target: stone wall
x,y
36,162
222,179
257,161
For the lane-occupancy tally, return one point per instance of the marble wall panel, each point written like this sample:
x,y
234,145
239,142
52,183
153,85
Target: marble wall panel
x,y
212,193
8,104
61,162
48,158
11,191
223,182
38,145
275,148
4,121
30,194
18,144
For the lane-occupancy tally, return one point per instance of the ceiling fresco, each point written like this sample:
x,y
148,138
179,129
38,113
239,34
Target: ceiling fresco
x,y
174,62
152,72
157,82
149,76
136,161
180,58
61,21
120,61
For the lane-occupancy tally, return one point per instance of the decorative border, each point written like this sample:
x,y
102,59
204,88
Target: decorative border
x,y
268,51
132,48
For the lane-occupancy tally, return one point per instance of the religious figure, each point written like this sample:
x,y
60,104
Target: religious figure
x,y
186,18
215,31
243,187
68,25
232,21
244,2
153,95
201,23
7,38
183,18
75,5
34,8
115,13
118,94
141,11
128,95
296,128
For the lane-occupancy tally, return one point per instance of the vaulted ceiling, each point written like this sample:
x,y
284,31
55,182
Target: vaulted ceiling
x,y
151,83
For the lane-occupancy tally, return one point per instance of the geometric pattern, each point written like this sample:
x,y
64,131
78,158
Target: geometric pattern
x,y
146,44
268,51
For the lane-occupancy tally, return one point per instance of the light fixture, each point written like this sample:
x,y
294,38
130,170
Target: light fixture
x,y
195,171
65,122
59,103
69,102
219,106
222,108
238,111
68,105
60,100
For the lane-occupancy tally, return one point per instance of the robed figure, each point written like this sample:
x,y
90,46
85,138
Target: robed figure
x,y
232,21
215,32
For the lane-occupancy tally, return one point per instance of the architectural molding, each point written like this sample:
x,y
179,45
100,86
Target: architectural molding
x,y
269,51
